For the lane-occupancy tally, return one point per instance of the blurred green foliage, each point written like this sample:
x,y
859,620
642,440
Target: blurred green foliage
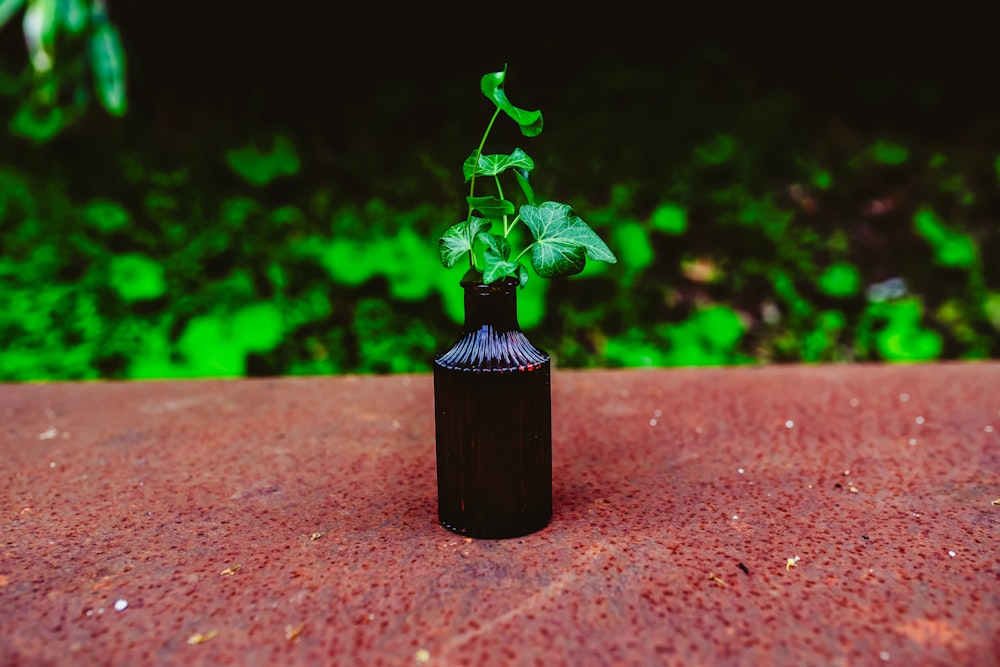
x,y
747,244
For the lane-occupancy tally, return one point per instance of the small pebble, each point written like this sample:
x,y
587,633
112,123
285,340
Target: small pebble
x,y
920,420
121,605
952,554
884,655
988,428
789,424
652,422
904,397
913,441
739,470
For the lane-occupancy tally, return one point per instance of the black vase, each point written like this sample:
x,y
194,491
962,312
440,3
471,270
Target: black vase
x,y
493,422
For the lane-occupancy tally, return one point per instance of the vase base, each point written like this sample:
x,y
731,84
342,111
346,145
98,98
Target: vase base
x,y
498,532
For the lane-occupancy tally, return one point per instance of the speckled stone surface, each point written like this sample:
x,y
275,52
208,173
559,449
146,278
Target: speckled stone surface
x,y
827,515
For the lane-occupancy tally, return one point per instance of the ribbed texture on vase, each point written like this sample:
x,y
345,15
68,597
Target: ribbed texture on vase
x,y
489,350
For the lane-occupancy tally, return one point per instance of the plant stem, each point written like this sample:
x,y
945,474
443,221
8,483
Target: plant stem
x,y
496,179
472,181
507,230
479,153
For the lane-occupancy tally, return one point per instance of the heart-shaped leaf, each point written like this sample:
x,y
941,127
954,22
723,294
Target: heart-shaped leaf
x,y
491,207
530,122
563,241
457,241
491,165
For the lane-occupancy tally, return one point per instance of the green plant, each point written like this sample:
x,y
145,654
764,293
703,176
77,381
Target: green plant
x,y
53,90
562,240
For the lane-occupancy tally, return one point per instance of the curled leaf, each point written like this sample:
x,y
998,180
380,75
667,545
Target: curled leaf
x,y
491,207
522,180
530,122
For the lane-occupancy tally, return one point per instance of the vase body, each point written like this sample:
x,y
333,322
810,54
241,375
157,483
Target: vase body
x,y
493,422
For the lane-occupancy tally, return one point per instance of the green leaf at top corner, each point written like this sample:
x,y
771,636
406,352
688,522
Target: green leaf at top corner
x,y
563,241
8,8
530,122
457,241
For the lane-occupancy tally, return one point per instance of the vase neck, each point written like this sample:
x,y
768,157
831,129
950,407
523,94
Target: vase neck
x,y
493,305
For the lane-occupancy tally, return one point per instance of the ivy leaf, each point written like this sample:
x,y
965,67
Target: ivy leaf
x,y
107,59
72,16
39,27
458,240
491,207
496,255
495,244
522,275
497,269
563,241
530,122
491,165
522,180
7,9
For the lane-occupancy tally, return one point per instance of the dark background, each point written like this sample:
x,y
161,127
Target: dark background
x,y
366,77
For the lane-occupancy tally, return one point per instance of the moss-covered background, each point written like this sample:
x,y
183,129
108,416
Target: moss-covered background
x,y
271,201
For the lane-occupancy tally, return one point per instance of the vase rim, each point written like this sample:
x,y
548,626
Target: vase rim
x,y
496,284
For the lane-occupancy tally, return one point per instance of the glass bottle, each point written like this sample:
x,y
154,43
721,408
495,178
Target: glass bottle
x,y
493,421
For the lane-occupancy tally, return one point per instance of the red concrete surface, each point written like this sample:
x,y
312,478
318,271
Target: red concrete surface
x,y
680,498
